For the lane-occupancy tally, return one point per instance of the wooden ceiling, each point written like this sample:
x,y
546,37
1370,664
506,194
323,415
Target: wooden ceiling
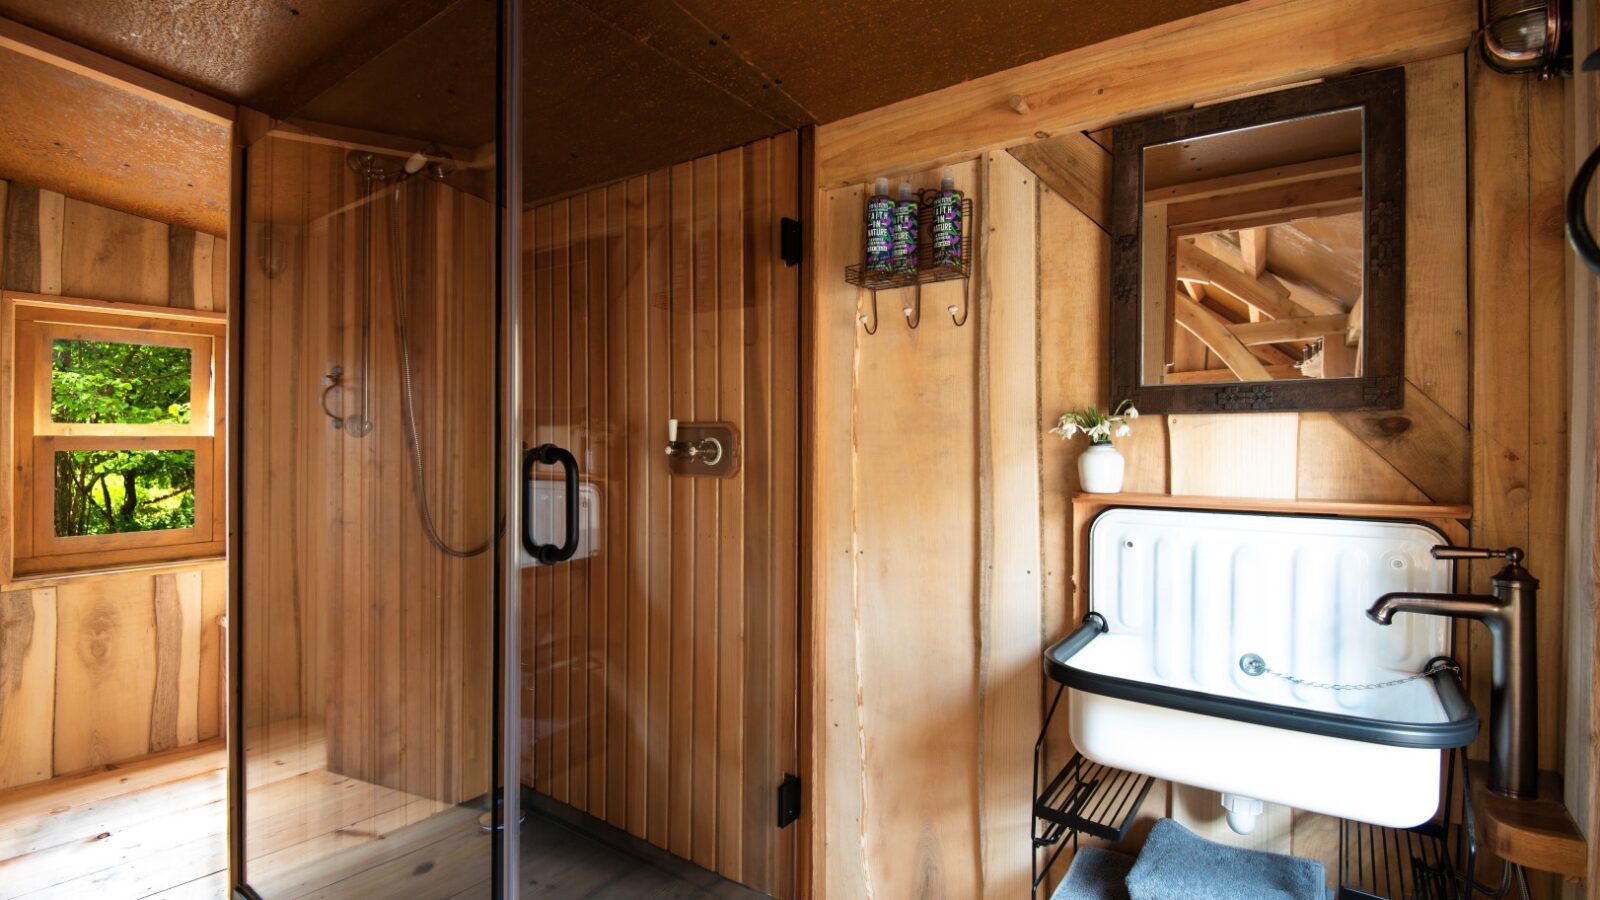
x,y
84,138
612,87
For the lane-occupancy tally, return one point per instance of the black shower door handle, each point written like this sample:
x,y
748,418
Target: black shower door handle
x,y
549,455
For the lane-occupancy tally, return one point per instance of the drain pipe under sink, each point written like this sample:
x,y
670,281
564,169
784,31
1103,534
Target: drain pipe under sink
x,y
1242,812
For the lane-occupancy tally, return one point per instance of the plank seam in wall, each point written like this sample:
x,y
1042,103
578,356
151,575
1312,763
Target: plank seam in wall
x,y
985,490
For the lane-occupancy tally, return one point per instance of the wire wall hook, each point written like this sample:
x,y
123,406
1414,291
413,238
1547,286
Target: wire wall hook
x,y
965,309
862,318
913,310
331,382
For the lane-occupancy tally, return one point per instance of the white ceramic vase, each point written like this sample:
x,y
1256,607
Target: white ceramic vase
x,y
1100,469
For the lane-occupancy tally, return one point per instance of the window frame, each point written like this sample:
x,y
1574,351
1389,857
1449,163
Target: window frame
x,y
29,326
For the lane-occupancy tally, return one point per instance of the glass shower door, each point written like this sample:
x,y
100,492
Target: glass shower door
x,y
658,663
369,533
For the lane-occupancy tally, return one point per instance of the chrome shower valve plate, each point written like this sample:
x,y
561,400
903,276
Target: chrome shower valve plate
x,y
726,465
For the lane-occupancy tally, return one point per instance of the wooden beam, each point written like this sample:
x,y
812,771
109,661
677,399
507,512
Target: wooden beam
x,y
1422,441
1276,176
1220,308
1207,376
1075,167
1298,329
1223,52
1195,264
1296,256
36,44
1211,332
1335,195
1312,300
1253,249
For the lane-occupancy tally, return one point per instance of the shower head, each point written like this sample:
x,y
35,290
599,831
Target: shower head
x,y
433,162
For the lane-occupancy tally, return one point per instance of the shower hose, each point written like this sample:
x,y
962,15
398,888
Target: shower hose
x,y
402,317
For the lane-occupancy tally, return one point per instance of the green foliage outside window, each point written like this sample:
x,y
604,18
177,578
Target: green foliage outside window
x,y
115,491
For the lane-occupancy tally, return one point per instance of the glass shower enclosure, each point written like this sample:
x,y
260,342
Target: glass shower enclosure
x,y
371,352
515,509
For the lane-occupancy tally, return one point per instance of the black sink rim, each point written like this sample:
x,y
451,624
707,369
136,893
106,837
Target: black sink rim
x,y
1459,729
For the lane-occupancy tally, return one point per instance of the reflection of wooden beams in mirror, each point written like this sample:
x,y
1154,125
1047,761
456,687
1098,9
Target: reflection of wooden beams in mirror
x,y
1215,334
1331,196
1303,329
1157,309
1253,251
1207,376
1297,256
1230,312
1301,295
1276,176
1195,264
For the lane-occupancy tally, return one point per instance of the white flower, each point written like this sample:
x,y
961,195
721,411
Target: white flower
x,y
1123,430
1100,432
1065,429
1131,414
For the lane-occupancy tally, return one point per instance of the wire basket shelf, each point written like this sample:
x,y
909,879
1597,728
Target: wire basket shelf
x,y
927,271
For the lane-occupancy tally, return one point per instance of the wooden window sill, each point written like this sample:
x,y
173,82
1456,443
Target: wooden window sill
x,y
53,579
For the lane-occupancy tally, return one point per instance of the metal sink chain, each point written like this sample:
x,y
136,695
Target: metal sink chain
x,y
1253,664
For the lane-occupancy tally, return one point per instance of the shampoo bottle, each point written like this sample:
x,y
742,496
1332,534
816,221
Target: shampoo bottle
x,y
880,218
947,223
903,236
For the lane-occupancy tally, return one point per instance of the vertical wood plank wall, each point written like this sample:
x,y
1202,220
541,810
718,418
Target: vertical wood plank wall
x,y
96,670
909,798
659,674
355,627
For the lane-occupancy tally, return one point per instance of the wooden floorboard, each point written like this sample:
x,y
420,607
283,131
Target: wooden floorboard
x,y
156,830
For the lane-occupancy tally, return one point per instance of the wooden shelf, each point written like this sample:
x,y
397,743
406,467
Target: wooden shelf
x,y
1423,511
1538,834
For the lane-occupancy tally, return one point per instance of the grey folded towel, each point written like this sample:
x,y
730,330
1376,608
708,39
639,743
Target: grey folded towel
x,y
1177,864
1095,874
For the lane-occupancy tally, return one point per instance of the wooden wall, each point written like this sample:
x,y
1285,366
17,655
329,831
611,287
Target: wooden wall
x,y
914,516
101,669
353,624
659,674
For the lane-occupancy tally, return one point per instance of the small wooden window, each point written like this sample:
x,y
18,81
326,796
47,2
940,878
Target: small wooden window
x,y
113,455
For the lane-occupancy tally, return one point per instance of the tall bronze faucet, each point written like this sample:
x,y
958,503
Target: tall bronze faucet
x,y
1508,613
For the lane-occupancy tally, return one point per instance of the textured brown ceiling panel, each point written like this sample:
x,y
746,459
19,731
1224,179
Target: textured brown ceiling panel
x,y
840,57
435,84
70,134
271,54
612,87
609,91
602,104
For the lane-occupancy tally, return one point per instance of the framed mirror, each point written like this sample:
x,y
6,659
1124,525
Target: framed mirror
x,y
1258,252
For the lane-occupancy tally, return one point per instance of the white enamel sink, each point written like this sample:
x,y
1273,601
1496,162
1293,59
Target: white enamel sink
x,y
1178,597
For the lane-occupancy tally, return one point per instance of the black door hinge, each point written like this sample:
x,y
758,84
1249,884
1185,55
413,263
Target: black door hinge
x,y
790,242
788,800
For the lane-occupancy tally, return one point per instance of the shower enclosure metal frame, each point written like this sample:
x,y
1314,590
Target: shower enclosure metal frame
x,y
505,778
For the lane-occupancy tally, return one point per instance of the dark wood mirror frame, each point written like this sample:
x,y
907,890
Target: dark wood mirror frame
x,y
1381,96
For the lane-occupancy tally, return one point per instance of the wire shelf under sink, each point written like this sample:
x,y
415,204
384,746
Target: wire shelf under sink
x,y
1427,862
1090,799
1083,798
